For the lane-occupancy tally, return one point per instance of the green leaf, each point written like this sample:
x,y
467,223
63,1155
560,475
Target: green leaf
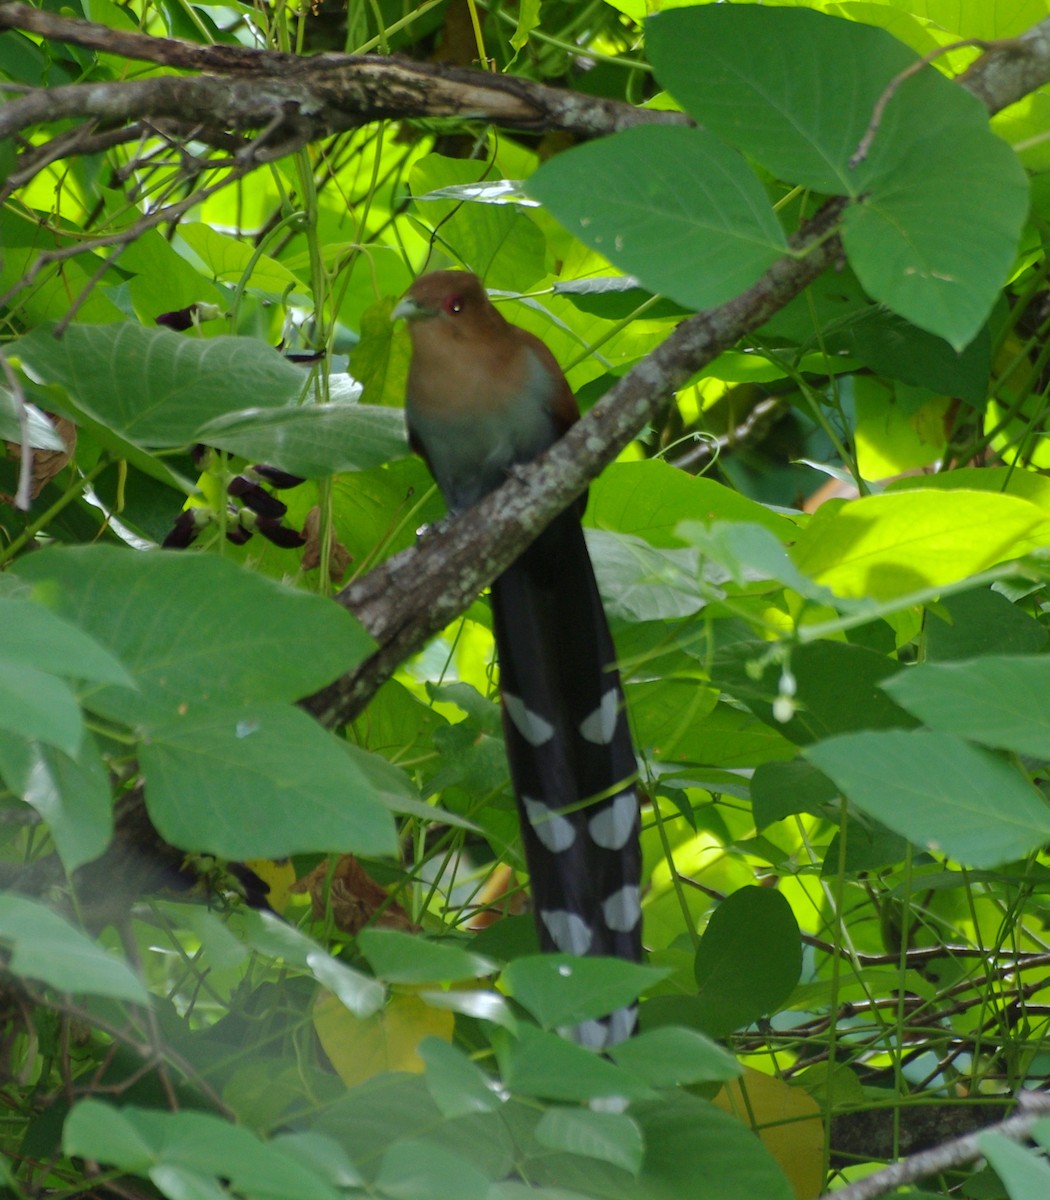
x,y
37,706
475,1002
981,621
48,949
260,781
545,1065
675,207
651,498
194,630
499,242
73,796
154,387
406,958
267,934
1024,1173
457,1086
641,582
609,1137
672,1055
792,88
748,960
999,702
894,347
798,91
105,1134
933,788
314,440
781,789
836,687
320,1154
748,552
413,1170
894,544
560,989
236,261
912,239
172,1148
33,636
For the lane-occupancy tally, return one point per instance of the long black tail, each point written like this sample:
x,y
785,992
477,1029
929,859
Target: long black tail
x,y
571,757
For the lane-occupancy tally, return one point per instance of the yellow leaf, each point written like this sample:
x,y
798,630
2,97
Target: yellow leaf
x,y
788,1122
387,1041
278,875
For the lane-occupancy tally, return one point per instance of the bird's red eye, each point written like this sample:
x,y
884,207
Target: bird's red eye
x,y
453,304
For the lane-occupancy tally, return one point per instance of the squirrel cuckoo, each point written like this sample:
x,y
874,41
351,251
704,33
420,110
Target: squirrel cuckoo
x,y
483,396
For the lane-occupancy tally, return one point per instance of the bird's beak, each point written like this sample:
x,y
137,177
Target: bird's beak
x,y
410,309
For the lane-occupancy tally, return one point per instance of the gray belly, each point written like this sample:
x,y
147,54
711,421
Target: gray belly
x,y
470,456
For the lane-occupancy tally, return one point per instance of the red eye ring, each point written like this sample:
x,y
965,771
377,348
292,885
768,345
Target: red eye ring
x,y
453,305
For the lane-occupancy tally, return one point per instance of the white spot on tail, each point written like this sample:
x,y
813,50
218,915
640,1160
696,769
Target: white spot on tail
x,y
621,1025
623,909
614,824
532,727
569,932
600,726
590,1033
554,831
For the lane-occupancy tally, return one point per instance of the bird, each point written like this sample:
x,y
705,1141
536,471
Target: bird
x,y
484,397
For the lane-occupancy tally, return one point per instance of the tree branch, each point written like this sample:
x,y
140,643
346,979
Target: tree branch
x,y
947,1157
247,89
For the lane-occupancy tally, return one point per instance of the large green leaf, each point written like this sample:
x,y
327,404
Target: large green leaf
x,y
157,388
1000,702
1024,1173
939,792
48,949
32,635
174,1149
936,232
545,1065
692,1148
675,207
793,88
558,989
36,706
194,630
836,687
940,200
457,1086
671,1055
401,958
609,1137
413,1170
313,440
72,794
890,545
748,960
261,781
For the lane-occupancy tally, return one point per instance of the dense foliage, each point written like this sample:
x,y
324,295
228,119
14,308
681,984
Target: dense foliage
x,y
247,954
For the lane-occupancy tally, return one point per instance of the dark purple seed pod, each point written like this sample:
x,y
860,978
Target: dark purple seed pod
x,y
256,498
280,535
277,478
